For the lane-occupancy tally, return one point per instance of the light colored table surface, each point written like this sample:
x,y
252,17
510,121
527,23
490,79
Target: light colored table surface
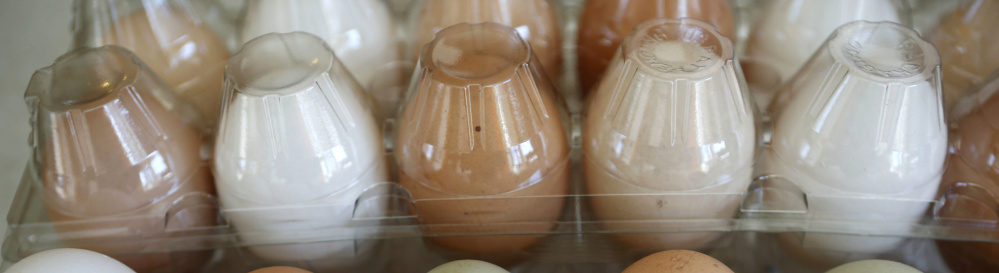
x,y
32,34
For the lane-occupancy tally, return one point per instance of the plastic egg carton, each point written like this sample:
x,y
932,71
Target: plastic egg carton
x,y
773,228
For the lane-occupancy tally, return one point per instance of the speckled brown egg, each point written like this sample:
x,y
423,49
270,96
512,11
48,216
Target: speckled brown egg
x,y
280,269
678,261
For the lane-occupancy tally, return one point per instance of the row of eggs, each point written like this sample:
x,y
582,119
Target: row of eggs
x,y
177,40
310,146
69,260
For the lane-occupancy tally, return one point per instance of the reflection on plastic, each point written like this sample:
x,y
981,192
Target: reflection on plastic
x,y
774,194
296,135
605,23
671,115
483,121
861,131
360,32
791,30
173,39
111,142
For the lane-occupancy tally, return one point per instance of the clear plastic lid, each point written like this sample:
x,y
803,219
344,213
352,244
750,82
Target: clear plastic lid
x,y
968,40
362,33
673,112
108,137
865,114
791,30
295,126
182,41
605,23
480,119
534,20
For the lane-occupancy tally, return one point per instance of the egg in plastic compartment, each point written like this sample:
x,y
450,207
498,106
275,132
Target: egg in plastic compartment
x,y
468,266
678,261
874,266
69,260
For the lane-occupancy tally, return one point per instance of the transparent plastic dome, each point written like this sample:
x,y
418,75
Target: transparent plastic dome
x,y
113,147
482,120
672,115
861,131
296,132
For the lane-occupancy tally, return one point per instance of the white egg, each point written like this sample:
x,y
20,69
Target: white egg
x,y
69,260
468,266
874,266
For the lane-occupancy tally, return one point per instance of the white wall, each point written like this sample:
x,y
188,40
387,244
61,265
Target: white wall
x,y
32,34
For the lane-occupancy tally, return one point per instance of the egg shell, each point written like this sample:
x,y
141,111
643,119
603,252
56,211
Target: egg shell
x,y
468,266
874,266
280,269
69,260
678,261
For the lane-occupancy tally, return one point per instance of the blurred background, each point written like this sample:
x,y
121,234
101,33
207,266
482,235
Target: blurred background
x,y
34,34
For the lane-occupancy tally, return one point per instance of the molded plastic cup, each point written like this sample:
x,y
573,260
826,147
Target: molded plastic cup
x,y
670,135
481,141
297,145
861,131
113,148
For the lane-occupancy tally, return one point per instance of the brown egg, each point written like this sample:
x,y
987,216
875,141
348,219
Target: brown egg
x,y
480,142
678,261
280,269
185,53
971,181
966,40
605,23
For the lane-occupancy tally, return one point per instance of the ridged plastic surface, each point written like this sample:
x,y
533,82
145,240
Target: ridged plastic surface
x,y
671,115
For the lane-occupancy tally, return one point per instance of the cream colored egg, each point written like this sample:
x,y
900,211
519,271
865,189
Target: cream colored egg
x,y
678,261
280,269
468,266
874,266
69,260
